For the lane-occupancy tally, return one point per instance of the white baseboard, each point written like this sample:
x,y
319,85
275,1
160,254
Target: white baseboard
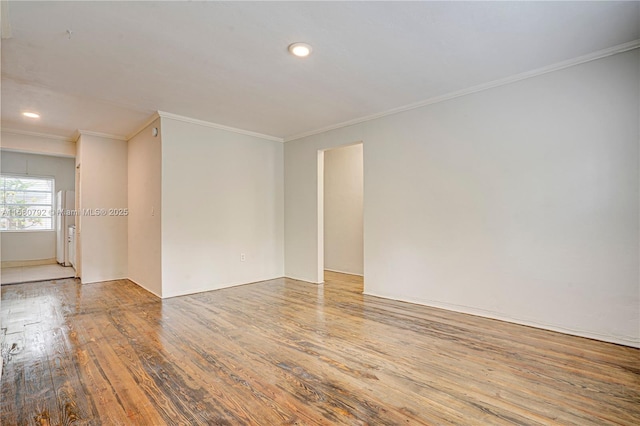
x,y
343,272
144,288
626,341
21,263
291,277
219,287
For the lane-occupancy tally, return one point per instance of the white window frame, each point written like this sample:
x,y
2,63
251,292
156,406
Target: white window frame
x,y
6,208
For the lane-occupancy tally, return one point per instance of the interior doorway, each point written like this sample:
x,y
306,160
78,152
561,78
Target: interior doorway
x,y
341,248
37,193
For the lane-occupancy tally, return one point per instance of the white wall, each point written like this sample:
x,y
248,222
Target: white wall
x,y
35,245
301,202
343,192
23,248
144,195
103,185
519,202
222,195
60,168
45,145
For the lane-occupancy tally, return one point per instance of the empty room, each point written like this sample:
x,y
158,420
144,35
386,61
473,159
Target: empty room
x,y
319,213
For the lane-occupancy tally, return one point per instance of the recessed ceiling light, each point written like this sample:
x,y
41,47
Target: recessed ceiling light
x,y
31,114
300,49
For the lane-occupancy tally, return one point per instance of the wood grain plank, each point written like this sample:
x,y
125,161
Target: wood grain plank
x,y
39,396
12,389
288,352
118,398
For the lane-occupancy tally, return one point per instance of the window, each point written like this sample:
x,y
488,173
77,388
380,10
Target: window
x,y
26,203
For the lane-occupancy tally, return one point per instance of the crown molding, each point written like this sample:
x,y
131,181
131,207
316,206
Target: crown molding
x,y
151,119
80,132
217,126
625,47
38,135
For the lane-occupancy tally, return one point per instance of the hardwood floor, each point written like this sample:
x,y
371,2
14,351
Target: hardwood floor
x,y
288,352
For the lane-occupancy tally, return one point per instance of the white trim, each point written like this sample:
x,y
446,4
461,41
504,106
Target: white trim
x,y
320,215
144,288
23,263
217,287
478,88
344,272
39,135
304,280
100,279
218,126
100,135
48,154
621,340
146,124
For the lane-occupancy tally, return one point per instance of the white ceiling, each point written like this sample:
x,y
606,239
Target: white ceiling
x,y
227,62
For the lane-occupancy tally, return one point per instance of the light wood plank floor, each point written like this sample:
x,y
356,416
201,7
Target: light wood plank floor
x,y
288,352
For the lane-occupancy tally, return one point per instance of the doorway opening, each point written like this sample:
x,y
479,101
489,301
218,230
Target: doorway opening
x,y
37,197
341,214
